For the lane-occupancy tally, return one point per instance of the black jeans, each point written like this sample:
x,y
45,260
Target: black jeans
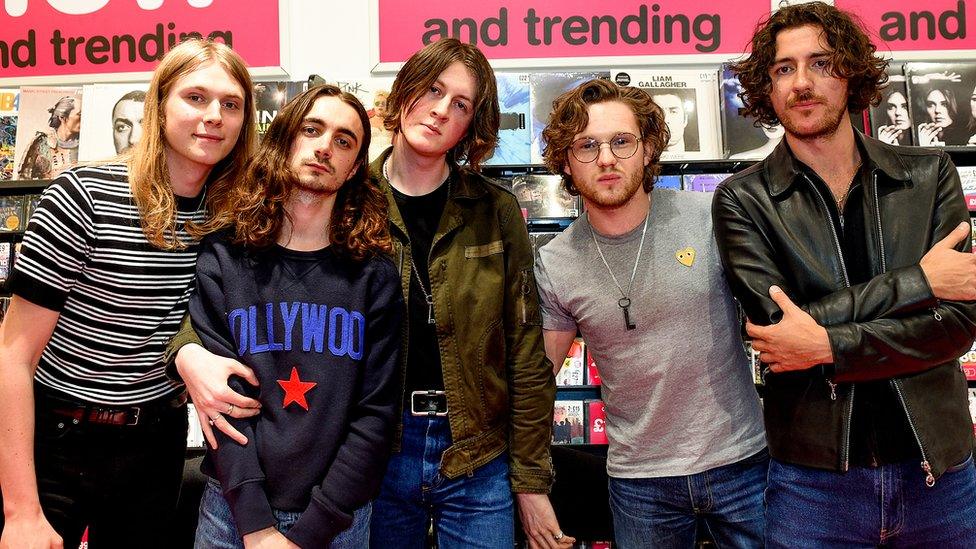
x,y
120,482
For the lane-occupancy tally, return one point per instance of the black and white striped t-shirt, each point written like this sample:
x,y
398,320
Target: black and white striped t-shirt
x,y
120,299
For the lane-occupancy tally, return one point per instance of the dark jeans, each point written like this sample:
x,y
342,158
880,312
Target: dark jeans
x,y
122,483
469,512
868,507
664,512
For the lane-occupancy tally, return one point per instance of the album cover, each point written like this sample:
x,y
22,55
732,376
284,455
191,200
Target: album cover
x,y
269,98
111,122
754,364
30,204
514,131
689,99
568,425
543,197
596,422
592,373
743,139
968,363
9,103
668,182
194,435
6,260
572,372
967,176
889,121
972,407
704,182
48,131
538,240
11,213
545,87
372,93
937,105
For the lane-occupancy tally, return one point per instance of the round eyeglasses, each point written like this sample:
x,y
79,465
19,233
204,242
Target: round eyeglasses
x,y
623,146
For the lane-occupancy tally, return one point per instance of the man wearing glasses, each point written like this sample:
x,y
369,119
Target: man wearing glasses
x,y
683,417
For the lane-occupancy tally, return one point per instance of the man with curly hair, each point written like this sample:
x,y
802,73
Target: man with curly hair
x,y
683,418
850,259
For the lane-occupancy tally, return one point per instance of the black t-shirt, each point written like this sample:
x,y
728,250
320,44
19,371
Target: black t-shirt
x,y
421,215
880,432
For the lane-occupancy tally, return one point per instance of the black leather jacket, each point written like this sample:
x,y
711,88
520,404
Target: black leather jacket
x,y
773,226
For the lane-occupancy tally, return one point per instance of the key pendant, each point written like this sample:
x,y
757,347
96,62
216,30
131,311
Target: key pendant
x,y
430,309
624,303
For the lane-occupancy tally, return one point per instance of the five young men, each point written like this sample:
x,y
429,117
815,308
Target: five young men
x,y
820,243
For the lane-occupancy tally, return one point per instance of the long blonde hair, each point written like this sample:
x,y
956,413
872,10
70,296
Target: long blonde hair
x,y
148,173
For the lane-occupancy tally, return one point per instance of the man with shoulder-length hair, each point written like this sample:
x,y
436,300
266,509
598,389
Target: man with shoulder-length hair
x,y
305,257
850,259
683,416
92,433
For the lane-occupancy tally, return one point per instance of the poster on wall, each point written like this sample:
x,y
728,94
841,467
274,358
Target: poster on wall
x,y
89,41
9,102
111,122
372,93
48,131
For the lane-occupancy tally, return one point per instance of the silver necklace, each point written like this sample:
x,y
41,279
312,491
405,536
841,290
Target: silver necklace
x,y
624,301
428,296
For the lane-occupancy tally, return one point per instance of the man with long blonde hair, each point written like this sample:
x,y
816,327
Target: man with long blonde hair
x,y
92,433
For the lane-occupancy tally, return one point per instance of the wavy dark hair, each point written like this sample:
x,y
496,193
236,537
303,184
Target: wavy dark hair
x,y
852,58
421,71
569,117
358,227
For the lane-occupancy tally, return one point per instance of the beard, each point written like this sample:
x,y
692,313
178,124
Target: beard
x,y
616,197
825,126
317,183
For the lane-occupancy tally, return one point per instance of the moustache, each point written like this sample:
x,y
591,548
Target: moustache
x,y
323,162
806,97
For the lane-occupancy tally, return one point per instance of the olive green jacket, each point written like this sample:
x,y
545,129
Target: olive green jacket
x,y
499,384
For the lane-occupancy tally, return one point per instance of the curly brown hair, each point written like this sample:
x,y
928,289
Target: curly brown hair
x,y
421,71
358,227
569,117
852,58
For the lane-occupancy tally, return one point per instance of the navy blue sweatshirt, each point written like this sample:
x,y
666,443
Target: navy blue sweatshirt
x,y
322,334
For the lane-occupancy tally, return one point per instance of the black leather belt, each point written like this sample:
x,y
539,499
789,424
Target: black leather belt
x,y
121,416
428,403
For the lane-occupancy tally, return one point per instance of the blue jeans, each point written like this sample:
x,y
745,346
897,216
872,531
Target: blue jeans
x,y
664,512
469,512
216,528
870,506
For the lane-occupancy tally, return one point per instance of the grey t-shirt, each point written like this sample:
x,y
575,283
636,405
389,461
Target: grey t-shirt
x,y
678,392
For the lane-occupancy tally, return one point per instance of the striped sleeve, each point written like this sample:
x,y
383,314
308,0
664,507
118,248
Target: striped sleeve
x,y
59,240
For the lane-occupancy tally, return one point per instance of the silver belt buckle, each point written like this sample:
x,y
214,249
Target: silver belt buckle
x,y
428,403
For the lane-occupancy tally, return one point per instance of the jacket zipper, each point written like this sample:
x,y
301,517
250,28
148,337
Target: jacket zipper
x,y
845,450
926,467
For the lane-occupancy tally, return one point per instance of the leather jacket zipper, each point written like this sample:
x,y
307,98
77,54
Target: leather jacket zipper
x,y
926,467
845,450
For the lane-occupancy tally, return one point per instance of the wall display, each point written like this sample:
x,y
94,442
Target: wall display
x,y
545,88
592,373
48,131
889,120
596,422
568,422
59,41
689,99
11,213
9,103
934,29
937,103
668,182
372,93
269,98
967,175
543,197
572,372
515,127
111,121
742,138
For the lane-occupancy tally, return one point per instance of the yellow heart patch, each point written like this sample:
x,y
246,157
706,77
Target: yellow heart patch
x,y
685,256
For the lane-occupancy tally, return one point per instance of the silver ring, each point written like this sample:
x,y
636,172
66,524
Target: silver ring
x,y
558,535
230,410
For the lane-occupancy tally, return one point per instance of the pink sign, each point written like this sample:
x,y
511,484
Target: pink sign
x,y
520,29
62,37
911,25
